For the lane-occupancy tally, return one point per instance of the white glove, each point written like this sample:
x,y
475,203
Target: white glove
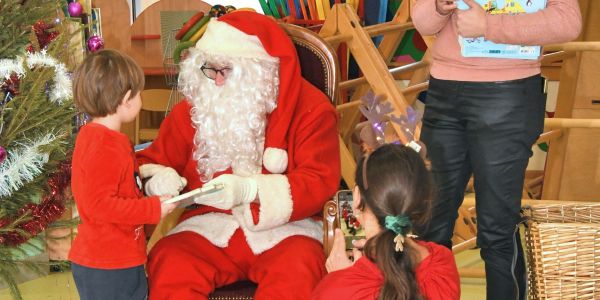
x,y
164,181
236,190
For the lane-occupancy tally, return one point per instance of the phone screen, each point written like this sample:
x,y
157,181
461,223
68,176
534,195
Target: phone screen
x,y
349,224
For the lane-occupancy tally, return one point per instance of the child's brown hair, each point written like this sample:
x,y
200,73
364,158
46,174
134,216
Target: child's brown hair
x,y
393,181
103,79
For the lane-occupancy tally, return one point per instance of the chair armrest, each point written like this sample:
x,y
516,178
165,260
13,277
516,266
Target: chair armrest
x,y
330,223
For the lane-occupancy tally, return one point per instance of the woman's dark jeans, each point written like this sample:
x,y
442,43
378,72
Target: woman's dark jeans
x,y
486,129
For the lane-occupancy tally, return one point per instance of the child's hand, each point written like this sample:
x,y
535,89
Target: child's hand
x,y
166,208
338,259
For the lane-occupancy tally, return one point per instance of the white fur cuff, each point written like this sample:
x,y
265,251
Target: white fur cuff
x,y
275,160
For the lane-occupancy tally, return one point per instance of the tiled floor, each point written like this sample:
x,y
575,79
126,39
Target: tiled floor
x,y
60,286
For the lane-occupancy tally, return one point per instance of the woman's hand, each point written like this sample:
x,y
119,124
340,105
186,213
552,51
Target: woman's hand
x,y
338,258
445,7
471,23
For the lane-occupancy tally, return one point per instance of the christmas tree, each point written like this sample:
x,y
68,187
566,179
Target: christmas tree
x,y
36,114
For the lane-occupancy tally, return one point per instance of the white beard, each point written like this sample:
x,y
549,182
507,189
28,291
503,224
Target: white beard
x,y
230,120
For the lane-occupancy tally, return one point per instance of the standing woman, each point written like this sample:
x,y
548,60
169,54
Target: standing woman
x,y
392,195
482,116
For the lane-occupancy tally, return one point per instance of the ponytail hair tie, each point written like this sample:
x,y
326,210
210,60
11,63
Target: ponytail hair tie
x,y
401,226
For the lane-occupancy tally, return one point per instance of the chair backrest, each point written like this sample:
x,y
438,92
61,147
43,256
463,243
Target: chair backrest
x,y
319,66
153,100
318,61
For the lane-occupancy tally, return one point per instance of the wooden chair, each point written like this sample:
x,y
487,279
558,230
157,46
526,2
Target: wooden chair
x,y
153,100
318,61
319,66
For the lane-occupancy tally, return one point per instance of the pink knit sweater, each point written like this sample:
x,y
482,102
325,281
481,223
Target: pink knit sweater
x,y
559,22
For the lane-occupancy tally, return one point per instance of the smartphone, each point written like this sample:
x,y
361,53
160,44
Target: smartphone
x,y
349,224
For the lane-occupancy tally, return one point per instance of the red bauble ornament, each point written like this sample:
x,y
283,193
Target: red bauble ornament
x,y
11,85
44,37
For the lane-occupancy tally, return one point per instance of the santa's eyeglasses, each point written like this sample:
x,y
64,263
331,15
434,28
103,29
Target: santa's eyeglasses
x,y
211,72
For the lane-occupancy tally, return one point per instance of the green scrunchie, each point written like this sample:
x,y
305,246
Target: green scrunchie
x,y
399,224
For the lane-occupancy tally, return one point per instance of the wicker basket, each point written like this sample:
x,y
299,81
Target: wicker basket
x,y
563,251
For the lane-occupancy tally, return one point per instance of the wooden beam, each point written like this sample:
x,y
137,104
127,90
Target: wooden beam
x,y
391,40
415,89
381,28
362,80
407,90
574,46
556,56
469,201
337,39
466,245
371,63
387,48
569,75
348,165
549,136
471,272
571,123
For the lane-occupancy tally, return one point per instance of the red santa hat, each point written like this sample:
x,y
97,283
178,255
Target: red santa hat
x,y
252,35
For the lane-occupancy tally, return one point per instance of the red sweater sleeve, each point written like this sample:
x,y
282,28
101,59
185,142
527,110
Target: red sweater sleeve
x,y
437,278
105,170
363,281
437,275
559,22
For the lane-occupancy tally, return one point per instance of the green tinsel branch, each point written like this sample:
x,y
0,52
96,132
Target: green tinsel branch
x,y
27,116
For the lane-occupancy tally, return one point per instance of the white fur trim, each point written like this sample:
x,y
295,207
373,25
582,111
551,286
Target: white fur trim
x,y
218,228
273,227
224,39
276,203
275,160
260,241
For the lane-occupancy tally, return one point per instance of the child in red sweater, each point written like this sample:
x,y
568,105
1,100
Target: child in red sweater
x,y
392,193
109,251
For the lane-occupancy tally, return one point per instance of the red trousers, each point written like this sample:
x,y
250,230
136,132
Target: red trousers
x,y
185,265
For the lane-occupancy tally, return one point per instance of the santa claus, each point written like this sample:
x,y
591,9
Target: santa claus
x,y
254,125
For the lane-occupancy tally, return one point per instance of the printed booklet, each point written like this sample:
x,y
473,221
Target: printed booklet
x,y
480,47
187,199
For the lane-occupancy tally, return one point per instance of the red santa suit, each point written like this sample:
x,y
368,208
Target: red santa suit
x,y
276,242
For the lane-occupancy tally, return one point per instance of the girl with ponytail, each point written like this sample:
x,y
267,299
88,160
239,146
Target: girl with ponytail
x,y
391,197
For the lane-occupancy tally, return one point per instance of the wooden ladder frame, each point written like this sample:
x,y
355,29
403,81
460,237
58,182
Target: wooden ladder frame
x,y
343,26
